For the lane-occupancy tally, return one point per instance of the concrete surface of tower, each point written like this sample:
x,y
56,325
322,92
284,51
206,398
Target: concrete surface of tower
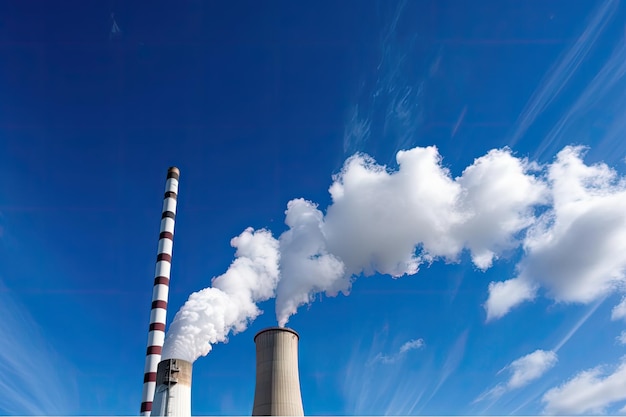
x,y
277,390
173,389
160,291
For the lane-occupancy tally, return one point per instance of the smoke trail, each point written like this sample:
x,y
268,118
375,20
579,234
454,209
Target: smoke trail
x,y
391,222
229,304
576,250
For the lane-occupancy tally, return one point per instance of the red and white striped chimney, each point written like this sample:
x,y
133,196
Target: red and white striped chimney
x,y
158,315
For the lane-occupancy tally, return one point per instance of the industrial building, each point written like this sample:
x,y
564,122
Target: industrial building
x,y
277,389
168,383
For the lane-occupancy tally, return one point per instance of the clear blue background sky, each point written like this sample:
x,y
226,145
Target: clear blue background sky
x,y
255,102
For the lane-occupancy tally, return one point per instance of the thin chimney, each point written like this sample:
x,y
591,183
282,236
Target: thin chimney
x,y
158,314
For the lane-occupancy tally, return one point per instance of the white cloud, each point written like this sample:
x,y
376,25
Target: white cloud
x,y
523,371
406,347
577,249
383,390
622,338
503,296
619,311
378,218
530,367
412,345
306,266
577,325
498,199
590,391
390,222
453,360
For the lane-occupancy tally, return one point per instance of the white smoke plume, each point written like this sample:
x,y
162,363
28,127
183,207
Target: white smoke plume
x,y
390,222
577,249
230,304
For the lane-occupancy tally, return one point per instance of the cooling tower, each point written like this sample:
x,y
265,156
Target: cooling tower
x,y
173,389
277,391
160,290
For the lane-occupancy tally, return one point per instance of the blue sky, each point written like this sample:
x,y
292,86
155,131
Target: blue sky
x,y
259,104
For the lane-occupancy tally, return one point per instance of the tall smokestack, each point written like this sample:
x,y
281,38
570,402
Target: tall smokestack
x,y
277,391
160,292
173,389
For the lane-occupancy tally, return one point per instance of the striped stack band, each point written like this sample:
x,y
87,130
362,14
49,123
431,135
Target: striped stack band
x,y
156,334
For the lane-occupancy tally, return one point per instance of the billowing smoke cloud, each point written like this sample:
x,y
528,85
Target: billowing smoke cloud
x,y
577,248
229,304
390,222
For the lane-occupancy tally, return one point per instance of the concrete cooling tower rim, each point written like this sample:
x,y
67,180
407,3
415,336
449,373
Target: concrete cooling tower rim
x,y
277,329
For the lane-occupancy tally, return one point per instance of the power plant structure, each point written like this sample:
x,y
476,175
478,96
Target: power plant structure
x,y
167,383
160,290
173,389
277,390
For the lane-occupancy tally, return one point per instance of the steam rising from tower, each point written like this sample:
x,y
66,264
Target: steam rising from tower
x,y
392,221
277,391
160,292
230,303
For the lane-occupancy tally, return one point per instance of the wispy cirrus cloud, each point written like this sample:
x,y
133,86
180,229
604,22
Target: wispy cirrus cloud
x,y
564,68
31,382
578,325
382,390
606,90
390,105
357,130
452,362
522,371
562,342
406,347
